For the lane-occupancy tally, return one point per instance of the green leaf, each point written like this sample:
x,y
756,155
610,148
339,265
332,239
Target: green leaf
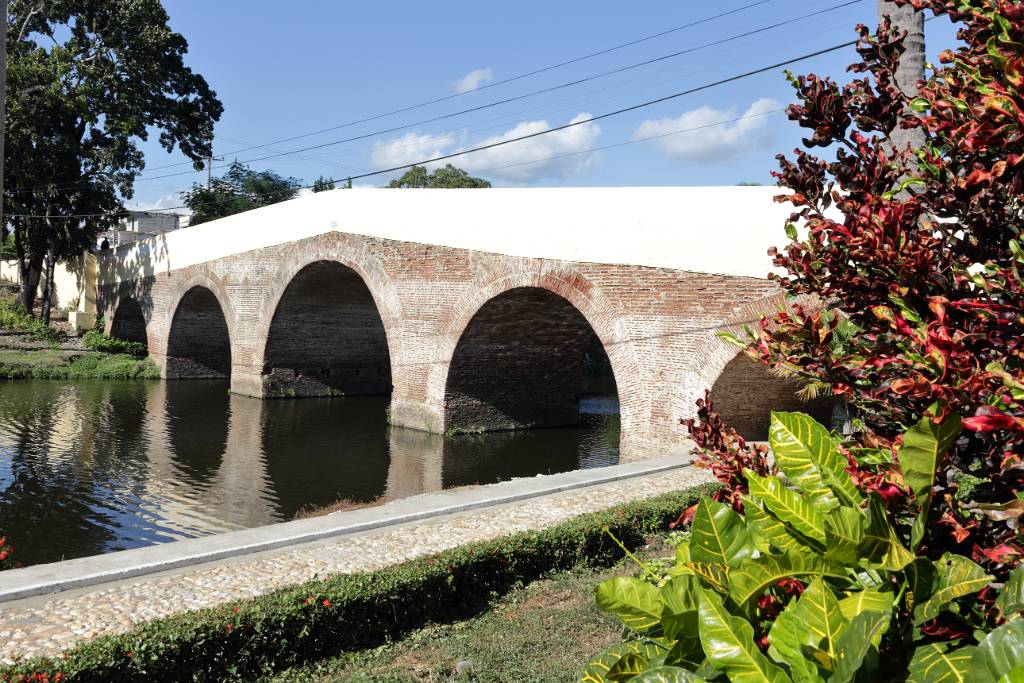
x,y
635,602
750,579
729,644
866,601
667,674
941,663
788,506
599,669
844,532
628,666
769,531
810,623
957,576
1000,653
718,534
854,644
880,545
924,446
807,454
1013,676
1011,598
680,607
712,574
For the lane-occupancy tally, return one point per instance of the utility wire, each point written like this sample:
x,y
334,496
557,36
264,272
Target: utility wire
x,y
441,117
573,124
494,84
560,86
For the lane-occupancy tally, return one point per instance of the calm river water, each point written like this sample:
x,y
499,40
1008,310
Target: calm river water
x,y
93,467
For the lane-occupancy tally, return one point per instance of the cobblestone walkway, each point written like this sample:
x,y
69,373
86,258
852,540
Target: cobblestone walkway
x,y
47,625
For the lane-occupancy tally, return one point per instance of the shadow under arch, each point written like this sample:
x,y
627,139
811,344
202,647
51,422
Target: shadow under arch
x,y
326,337
521,362
746,392
129,322
199,342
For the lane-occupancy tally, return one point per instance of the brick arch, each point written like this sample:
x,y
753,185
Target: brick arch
x,y
209,297
600,314
333,248
744,390
129,321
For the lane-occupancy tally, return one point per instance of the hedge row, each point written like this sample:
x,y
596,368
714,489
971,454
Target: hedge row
x,y
321,618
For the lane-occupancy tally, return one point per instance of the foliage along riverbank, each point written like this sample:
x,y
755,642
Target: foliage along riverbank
x,y
30,349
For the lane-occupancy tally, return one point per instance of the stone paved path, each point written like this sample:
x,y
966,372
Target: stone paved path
x,y
48,624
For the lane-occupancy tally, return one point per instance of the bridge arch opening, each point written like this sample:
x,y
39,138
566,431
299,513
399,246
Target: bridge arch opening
x,y
129,322
326,337
199,344
746,392
527,359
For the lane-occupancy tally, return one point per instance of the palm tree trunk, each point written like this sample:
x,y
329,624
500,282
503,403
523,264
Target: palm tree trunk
x,y
911,68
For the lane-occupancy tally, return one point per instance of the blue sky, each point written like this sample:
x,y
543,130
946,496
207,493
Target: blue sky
x,y
285,69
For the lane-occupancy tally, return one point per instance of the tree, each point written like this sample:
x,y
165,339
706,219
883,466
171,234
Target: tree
x,y
87,80
447,177
239,189
918,275
322,184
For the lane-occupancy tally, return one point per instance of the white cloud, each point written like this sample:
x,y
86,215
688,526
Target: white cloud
x,y
473,80
571,141
168,201
506,164
409,148
721,143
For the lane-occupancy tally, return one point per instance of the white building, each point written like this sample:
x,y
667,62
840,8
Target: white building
x,y
138,225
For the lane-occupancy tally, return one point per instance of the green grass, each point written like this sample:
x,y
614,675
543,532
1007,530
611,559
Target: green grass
x,y
544,631
94,340
53,364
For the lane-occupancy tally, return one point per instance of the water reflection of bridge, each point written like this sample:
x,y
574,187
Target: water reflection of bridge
x,y
219,461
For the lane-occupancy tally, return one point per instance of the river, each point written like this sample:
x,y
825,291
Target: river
x,y
96,466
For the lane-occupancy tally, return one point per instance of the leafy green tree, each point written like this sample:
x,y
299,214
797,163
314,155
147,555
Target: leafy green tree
x,y
87,80
239,189
447,177
322,184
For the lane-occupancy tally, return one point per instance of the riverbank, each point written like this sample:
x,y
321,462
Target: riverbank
x,y
58,364
31,350
367,589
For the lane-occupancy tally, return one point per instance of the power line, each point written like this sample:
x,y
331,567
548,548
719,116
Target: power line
x,y
561,86
661,58
572,124
633,141
494,84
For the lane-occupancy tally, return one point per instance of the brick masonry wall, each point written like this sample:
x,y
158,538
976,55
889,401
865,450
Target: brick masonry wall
x,y
326,337
746,393
198,346
519,364
658,326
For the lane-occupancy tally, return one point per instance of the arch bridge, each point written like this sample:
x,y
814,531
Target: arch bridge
x,y
475,310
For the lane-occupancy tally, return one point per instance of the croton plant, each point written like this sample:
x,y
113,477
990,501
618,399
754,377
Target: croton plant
x,y
893,552
915,257
814,582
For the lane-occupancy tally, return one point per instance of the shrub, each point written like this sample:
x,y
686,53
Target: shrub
x,y
813,582
247,638
95,340
14,317
917,274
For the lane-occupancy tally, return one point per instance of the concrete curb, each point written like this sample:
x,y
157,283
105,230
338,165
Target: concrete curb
x,y
90,571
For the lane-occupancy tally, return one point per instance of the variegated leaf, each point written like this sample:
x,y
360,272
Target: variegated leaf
x,y
941,663
788,506
958,576
718,535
